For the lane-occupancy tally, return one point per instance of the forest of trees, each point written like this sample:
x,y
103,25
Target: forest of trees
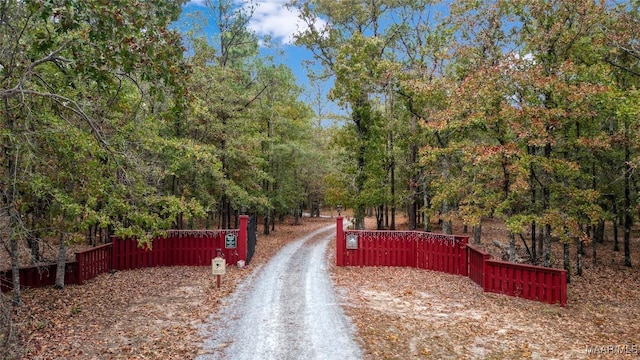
x,y
115,121
525,111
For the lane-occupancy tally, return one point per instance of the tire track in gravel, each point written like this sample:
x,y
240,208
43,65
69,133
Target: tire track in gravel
x,y
287,309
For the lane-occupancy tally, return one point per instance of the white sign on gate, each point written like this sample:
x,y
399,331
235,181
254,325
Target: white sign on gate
x,y
352,242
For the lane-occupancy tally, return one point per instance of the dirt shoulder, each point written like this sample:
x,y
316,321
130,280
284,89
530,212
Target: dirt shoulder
x,y
399,313
404,313
140,314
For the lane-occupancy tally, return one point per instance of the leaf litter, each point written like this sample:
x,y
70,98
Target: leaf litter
x,y
406,313
399,313
151,313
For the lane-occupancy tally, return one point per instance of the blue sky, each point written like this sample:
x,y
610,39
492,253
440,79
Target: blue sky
x,y
272,18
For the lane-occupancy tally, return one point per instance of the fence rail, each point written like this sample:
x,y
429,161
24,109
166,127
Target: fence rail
x,y
39,276
477,260
450,254
177,248
407,249
94,262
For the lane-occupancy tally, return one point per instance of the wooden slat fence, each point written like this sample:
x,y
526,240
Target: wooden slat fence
x,y
526,281
419,249
380,249
450,254
39,276
520,280
444,253
93,262
178,248
477,260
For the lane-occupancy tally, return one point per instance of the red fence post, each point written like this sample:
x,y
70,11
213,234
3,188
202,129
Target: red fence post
x,y
340,241
463,256
242,238
563,288
80,269
115,255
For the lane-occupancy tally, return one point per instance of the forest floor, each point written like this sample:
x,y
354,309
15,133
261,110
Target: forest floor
x,y
399,313
406,313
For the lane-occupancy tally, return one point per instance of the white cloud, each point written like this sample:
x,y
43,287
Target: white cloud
x,y
272,17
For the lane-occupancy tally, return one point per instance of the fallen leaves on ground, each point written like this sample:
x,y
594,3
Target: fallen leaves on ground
x,y
406,313
152,313
398,313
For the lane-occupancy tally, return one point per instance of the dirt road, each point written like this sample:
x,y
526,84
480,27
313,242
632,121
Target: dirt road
x,y
286,309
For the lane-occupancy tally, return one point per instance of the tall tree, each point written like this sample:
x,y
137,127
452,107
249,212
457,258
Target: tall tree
x,y
355,47
64,65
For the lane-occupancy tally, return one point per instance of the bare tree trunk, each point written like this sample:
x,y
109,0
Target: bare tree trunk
x,y
34,245
15,269
412,209
627,198
512,247
392,180
547,245
427,204
567,263
579,252
379,217
532,184
62,261
477,233
266,222
540,242
273,222
546,203
386,217
447,225
534,253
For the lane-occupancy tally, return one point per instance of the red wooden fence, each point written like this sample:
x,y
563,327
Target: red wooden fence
x,y
93,262
178,248
39,276
445,253
449,254
380,249
526,281
477,260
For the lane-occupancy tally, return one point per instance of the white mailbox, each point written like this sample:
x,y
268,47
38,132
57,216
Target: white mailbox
x,y
218,266
352,242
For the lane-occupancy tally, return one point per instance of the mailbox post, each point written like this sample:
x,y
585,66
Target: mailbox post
x,y
218,268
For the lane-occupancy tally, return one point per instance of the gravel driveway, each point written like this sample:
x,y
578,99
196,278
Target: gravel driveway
x,y
287,309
